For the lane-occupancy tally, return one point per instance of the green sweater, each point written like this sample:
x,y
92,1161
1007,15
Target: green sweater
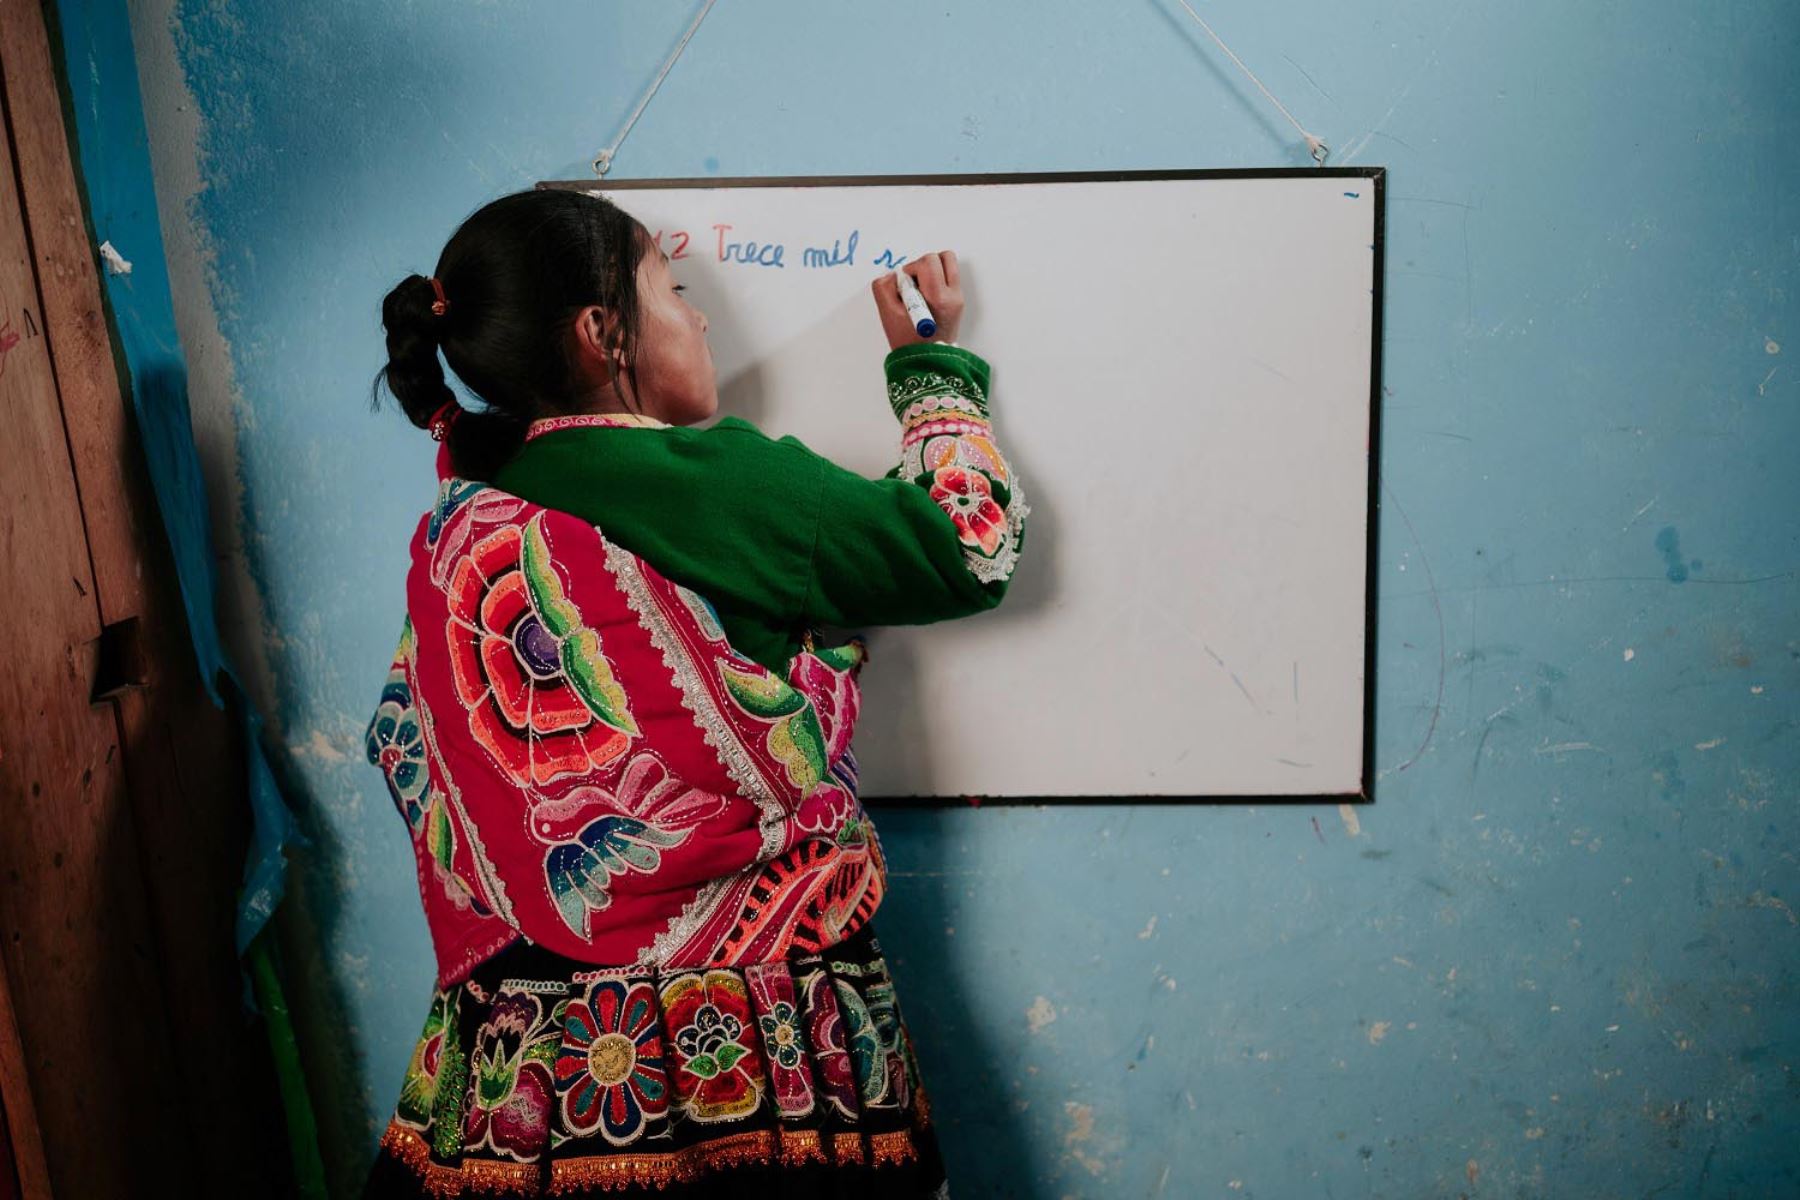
x,y
782,540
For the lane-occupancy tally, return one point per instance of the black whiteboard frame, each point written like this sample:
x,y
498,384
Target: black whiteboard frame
x,y
1377,179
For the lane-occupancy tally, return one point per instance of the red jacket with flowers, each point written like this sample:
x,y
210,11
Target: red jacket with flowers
x,y
584,760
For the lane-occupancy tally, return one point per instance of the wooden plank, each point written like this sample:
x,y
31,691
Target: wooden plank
x,y
24,1163
182,756
72,932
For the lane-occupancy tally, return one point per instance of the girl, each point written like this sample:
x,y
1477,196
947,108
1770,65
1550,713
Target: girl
x,y
624,757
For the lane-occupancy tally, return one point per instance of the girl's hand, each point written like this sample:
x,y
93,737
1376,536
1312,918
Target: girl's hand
x,y
936,276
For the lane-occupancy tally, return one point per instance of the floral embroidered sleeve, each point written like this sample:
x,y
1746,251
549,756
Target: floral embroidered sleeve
x,y
939,394
886,554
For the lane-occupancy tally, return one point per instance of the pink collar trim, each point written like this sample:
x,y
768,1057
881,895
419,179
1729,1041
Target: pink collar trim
x,y
586,420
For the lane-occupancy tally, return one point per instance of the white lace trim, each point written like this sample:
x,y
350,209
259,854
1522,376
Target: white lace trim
x,y
697,699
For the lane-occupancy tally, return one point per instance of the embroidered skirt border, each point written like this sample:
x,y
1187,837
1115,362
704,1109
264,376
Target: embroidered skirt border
x,y
543,1076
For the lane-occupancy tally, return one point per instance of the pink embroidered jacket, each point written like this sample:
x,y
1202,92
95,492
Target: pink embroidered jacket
x,y
583,759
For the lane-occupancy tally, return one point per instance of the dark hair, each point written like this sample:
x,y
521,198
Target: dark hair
x,y
514,274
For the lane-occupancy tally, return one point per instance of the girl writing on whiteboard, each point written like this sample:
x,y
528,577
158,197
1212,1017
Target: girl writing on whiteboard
x,y
622,753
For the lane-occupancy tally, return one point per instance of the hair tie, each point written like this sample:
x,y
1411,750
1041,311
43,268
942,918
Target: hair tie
x,y
439,423
440,305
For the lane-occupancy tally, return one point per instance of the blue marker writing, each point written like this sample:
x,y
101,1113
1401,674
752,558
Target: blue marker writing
x,y
916,308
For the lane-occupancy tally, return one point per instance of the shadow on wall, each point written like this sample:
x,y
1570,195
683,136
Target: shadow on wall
x,y
978,1126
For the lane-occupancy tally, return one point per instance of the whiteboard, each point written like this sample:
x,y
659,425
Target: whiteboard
x,y
1183,367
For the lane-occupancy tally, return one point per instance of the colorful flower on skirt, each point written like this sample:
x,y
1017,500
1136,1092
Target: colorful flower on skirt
x,y
511,1084
540,694
884,1016
418,1092
718,1071
610,1071
969,499
395,744
825,1031
784,1045
868,1051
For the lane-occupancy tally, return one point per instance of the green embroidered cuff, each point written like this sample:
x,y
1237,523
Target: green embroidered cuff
x,y
950,375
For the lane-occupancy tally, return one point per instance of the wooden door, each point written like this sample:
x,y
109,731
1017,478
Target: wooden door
x,y
123,819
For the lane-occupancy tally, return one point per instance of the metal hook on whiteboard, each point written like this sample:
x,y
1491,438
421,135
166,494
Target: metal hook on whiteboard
x,y
603,160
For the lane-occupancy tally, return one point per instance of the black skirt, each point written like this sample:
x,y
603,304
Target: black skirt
x,y
543,1076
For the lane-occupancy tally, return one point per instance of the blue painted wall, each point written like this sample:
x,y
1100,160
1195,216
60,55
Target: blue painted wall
x,y
1554,957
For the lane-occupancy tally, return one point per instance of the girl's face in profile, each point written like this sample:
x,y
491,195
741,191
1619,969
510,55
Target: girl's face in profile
x,y
675,380
675,377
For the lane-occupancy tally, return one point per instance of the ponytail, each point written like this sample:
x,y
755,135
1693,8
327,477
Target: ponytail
x,y
413,373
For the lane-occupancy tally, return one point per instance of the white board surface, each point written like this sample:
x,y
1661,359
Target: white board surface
x,y
1181,381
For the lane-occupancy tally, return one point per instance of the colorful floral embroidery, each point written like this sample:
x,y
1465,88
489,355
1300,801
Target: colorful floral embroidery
x,y
541,696
452,1094
609,1123
827,674
784,1046
419,1089
610,1072
794,738
969,499
825,1032
395,744
864,1044
947,447
512,1085
718,1072
452,492
884,1015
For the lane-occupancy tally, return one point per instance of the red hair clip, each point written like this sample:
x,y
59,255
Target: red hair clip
x,y
440,305
439,423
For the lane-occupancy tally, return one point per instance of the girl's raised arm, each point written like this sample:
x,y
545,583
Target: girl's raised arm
x,y
939,535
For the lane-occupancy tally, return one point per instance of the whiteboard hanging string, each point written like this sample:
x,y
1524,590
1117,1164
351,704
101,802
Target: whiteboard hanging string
x,y
603,160
1314,144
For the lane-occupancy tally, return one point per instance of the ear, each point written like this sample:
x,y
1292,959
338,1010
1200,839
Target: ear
x,y
594,330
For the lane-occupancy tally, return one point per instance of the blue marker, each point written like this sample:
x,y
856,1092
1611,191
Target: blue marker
x,y
916,308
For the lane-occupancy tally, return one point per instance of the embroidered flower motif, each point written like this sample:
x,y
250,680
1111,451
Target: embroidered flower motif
x,y
511,1085
718,1072
781,1034
969,499
419,1090
610,1072
784,1046
540,694
864,1042
394,743
884,1018
825,1032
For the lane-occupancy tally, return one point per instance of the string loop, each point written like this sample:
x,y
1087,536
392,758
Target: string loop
x,y
1315,145
603,160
